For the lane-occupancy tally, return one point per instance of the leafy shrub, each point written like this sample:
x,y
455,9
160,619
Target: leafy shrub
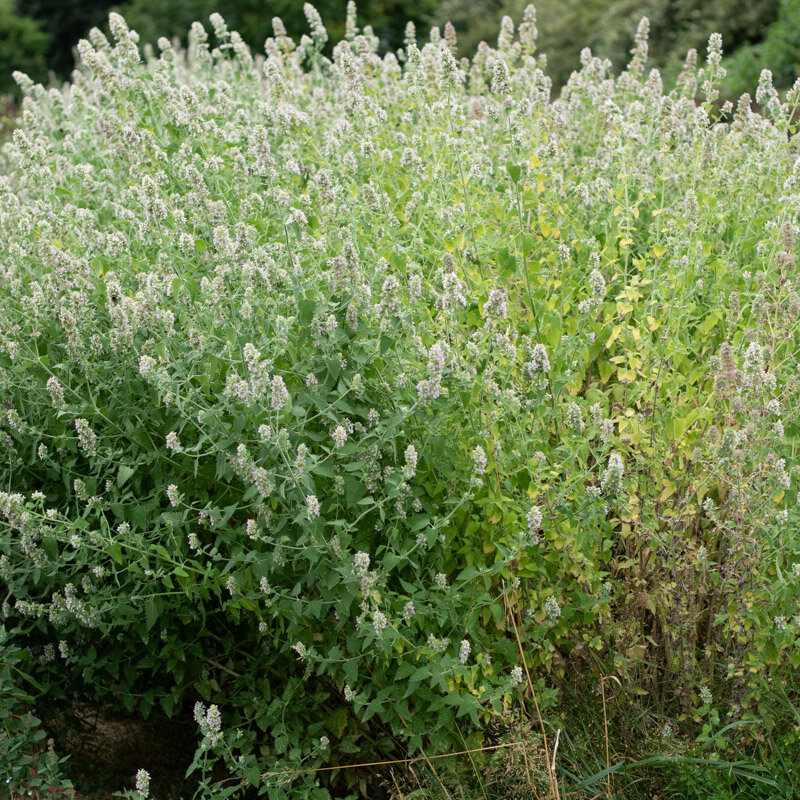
x,y
25,763
333,388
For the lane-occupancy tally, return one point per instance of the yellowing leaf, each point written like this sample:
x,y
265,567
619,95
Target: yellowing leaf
x,y
606,370
709,322
636,652
659,250
615,332
653,324
625,243
668,489
696,374
624,308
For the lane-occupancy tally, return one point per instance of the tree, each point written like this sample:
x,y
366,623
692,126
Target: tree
x,y
23,44
779,51
66,21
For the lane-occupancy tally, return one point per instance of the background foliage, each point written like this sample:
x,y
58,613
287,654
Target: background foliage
x,y
23,45
607,27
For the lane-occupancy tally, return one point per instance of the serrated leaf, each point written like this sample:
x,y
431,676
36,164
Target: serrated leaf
x,y
150,612
514,171
115,551
124,473
615,332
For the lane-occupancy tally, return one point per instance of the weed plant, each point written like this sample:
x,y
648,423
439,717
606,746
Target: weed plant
x,y
352,404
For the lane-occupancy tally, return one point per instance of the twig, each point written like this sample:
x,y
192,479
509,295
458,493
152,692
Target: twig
x,y
603,679
436,774
555,749
408,761
223,668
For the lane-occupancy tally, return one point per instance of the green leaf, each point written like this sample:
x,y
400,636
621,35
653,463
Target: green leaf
x,y
305,308
150,612
253,775
115,551
337,721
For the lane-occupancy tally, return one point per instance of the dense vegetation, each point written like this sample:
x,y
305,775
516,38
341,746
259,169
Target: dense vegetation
x,y
762,32
373,405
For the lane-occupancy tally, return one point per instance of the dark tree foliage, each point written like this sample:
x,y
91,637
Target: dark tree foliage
x,y
66,21
23,45
779,51
253,18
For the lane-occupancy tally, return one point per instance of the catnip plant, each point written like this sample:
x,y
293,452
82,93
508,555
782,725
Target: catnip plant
x,y
335,384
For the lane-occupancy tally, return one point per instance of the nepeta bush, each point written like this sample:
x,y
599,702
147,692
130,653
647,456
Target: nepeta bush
x,y
317,372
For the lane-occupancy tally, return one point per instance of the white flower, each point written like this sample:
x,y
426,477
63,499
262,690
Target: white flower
x,y
379,621
410,467
534,518
479,461
361,561
312,506
539,362
143,783
86,437
339,436
280,394
552,608
173,442
598,286
611,484
173,495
